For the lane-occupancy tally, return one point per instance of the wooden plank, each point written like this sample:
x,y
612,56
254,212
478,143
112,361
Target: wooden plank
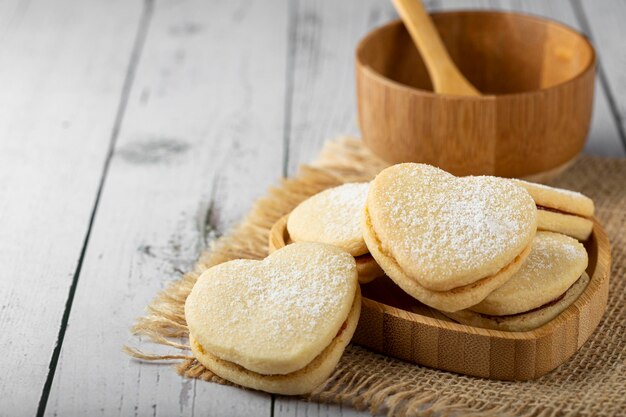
x,y
604,22
604,136
201,137
323,102
62,75
289,407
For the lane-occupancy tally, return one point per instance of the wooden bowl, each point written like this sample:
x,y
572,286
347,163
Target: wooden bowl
x,y
537,77
395,324
366,266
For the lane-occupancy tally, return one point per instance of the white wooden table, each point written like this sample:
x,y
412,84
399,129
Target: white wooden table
x,y
132,132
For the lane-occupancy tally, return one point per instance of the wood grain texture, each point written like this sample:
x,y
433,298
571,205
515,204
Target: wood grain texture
x,y
322,102
292,407
605,24
394,328
533,117
62,75
200,107
604,136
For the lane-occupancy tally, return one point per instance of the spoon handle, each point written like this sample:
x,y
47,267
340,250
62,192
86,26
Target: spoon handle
x,y
445,76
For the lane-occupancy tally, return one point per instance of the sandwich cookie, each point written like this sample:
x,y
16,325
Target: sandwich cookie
x,y
560,210
444,240
551,279
334,217
278,325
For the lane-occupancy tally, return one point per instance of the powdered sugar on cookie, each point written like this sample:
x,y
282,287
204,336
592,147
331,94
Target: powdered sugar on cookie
x,y
439,227
333,217
294,299
555,262
561,191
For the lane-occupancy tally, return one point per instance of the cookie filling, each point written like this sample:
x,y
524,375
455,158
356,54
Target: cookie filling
x,y
364,258
553,210
548,304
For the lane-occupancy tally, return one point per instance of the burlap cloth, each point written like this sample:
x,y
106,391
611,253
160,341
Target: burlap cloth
x,y
593,382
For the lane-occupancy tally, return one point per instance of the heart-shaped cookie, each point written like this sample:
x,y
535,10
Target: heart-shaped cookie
x,y
260,322
562,211
552,277
333,217
447,240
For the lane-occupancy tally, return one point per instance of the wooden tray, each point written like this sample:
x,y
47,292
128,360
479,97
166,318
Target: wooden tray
x,y
395,324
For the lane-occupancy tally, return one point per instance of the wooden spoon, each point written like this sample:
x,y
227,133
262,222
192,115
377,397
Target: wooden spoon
x,y
445,76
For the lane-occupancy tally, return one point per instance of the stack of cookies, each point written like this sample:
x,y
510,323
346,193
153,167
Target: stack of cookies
x,y
561,211
278,325
453,242
447,241
484,251
469,246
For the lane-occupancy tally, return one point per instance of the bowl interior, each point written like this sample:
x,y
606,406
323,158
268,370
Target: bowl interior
x,y
498,52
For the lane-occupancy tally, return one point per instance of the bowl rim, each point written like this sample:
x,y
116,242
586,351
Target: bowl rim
x,y
368,70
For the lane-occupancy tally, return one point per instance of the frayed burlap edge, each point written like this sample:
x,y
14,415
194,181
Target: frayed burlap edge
x,y
377,386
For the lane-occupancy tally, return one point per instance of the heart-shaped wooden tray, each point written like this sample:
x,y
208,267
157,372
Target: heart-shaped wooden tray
x,y
395,324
